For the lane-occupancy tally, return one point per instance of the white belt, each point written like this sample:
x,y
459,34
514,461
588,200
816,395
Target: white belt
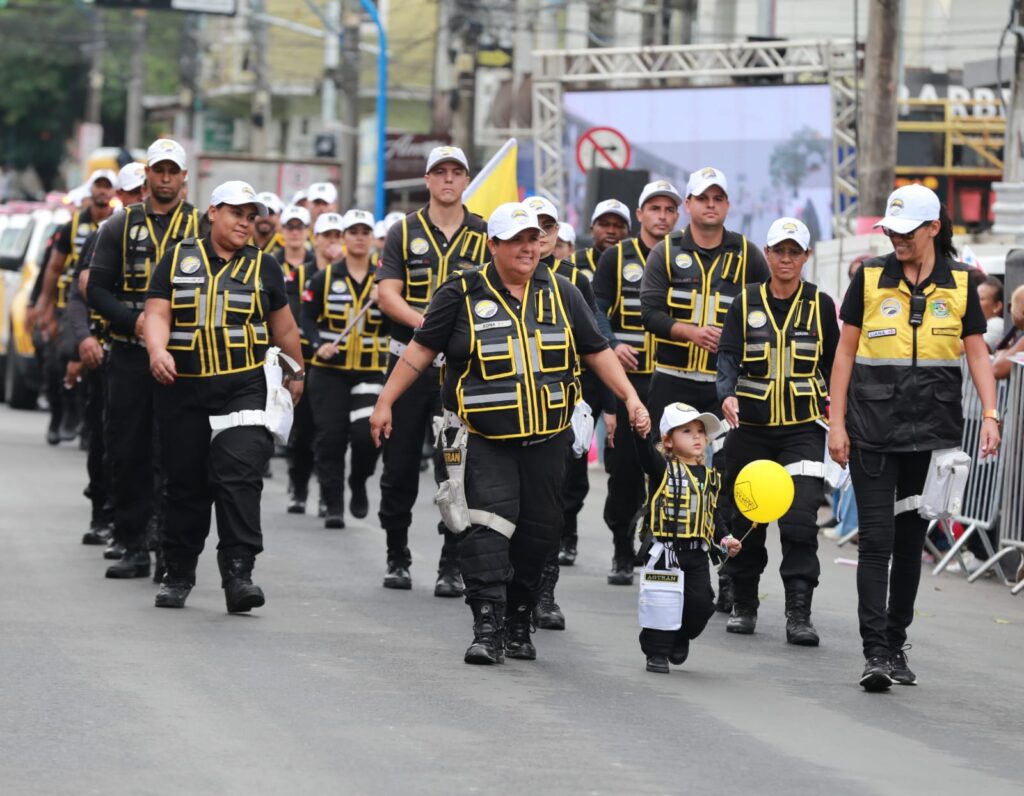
x,y
686,374
807,467
242,417
398,349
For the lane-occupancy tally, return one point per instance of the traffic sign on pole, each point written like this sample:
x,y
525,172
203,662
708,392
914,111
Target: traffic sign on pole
x,y
602,148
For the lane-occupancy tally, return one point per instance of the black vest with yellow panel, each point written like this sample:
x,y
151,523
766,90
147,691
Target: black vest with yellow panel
x,y
427,264
681,506
905,388
586,261
520,378
366,347
295,278
82,226
780,382
218,321
624,314
142,249
699,294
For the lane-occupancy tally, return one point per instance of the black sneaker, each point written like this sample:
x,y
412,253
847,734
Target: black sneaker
x,y
877,674
899,669
657,664
297,506
742,621
397,577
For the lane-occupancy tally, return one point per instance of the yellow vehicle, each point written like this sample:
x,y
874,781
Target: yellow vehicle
x,y
24,234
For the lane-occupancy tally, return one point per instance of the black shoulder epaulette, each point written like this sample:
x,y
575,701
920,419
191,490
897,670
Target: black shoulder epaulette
x,y
464,272
188,241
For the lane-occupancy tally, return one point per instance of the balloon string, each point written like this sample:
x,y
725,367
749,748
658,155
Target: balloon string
x,y
752,526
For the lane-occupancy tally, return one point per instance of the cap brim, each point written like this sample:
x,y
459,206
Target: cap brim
x,y
670,194
261,209
179,162
900,224
511,233
436,163
132,186
712,425
703,188
617,213
779,238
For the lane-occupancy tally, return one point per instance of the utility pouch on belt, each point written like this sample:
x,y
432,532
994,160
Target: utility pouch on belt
x,y
835,476
943,493
451,494
582,429
278,413
661,591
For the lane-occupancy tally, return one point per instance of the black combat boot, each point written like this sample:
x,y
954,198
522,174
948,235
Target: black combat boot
x,y
240,594
113,551
567,553
397,575
449,578
621,573
133,564
547,615
176,585
799,629
725,594
743,619
98,533
518,627
359,503
487,647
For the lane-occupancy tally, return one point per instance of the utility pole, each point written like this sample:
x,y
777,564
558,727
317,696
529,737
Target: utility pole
x,y
464,121
689,20
94,95
350,104
136,82
1013,150
261,108
877,156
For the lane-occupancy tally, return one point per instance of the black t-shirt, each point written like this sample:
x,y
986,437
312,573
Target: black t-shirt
x,y
606,280
852,311
271,289
62,243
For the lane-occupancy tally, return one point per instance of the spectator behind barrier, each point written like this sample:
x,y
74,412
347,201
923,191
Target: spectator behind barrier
x,y
1013,341
990,293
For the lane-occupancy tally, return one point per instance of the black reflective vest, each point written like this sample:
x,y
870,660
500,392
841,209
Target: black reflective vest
x,y
218,321
520,378
82,226
780,382
141,251
681,507
905,390
427,266
586,261
624,314
700,294
366,347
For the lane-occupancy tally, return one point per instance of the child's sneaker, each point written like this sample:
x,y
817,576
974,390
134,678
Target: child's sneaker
x,y
657,664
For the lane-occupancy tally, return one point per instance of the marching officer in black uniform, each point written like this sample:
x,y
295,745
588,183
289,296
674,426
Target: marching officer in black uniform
x,y
609,224
128,248
266,236
347,373
774,362
64,403
214,307
421,250
566,243
690,280
617,290
511,333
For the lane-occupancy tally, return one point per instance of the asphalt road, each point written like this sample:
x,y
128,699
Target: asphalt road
x,y
340,686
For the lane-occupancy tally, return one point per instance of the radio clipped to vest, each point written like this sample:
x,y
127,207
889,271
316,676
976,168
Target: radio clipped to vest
x,y
943,494
661,591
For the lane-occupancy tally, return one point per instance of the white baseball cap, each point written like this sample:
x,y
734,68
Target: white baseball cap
x,y
679,414
130,177
702,179
789,229
542,206
509,219
392,218
295,213
237,193
380,229
909,207
444,154
166,149
102,174
298,196
272,201
322,192
613,206
659,188
77,195
325,222
566,233
354,217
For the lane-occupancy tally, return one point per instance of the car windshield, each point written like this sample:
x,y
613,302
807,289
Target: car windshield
x,y
14,238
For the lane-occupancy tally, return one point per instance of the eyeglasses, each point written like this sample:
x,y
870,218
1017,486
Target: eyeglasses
x,y
905,235
548,228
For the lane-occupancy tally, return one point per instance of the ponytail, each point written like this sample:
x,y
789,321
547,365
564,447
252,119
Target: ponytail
x,y
944,248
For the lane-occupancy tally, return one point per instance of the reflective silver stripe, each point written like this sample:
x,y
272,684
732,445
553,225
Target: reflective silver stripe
x,y
686,374
218,309
680,294
630,302
235,333
418,271
337,307
495,348
760,386
631,337
921,363
552,337
725,300
185,293
367,388
557,396
359,414
494,397
184,337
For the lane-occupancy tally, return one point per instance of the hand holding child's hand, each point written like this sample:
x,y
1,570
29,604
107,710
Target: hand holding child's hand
x,y
731,546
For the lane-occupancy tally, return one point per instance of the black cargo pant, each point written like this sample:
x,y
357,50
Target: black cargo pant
x,y
299,451
342,402
798,528
521,483
411,417
626,492
225,472
63,402
94,384
880,479
698,601
129,436
577,479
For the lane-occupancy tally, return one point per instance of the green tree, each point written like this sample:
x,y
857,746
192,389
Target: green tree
x,y
791,161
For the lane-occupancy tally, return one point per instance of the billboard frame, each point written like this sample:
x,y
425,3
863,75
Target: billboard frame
x,y
699,66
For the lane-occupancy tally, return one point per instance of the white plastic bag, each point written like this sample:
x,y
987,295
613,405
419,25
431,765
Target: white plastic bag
x,y
280,411
582,429
661,593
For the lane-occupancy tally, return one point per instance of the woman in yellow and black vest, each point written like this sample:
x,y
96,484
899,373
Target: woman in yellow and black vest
x,y
511,332
346,376
896,397
774,361
214,307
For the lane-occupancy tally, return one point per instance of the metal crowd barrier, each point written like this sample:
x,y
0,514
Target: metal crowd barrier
x,y
983,492
1011,517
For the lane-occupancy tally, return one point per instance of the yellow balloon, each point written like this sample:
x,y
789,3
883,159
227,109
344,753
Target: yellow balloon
x,y
763,491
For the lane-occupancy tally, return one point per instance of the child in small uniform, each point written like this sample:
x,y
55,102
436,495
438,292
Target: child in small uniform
x,y
681,514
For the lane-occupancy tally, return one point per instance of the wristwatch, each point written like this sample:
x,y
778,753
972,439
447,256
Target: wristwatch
x,y
298,376
991,414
